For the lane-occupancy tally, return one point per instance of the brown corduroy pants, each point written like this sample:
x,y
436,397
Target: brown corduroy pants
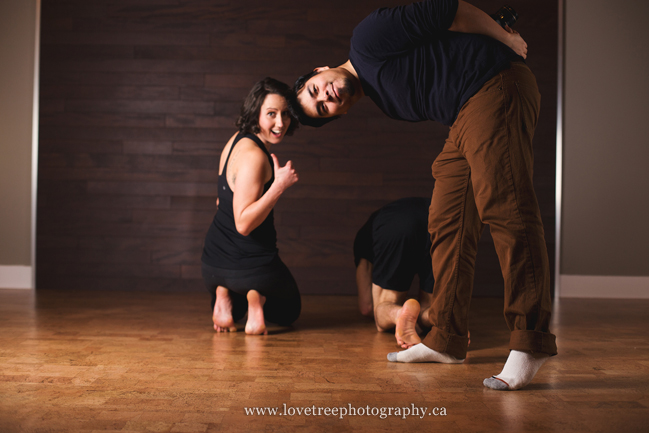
x,y
483,176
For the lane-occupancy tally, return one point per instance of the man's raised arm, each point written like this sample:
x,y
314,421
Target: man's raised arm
x,y
470,19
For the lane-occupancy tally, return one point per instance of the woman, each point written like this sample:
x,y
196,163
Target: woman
x,y
240,263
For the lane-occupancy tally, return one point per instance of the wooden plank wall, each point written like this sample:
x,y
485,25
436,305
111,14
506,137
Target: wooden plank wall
x,y
138,97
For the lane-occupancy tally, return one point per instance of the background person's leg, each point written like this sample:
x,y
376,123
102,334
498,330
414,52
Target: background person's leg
x,y
388,304
425,302
364,286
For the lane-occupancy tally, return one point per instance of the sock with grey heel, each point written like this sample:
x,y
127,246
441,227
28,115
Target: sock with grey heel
x,y
519,370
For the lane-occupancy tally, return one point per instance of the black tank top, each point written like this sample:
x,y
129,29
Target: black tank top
x,y
224,246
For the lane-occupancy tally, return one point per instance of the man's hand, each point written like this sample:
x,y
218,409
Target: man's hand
x,y
470,19
516,42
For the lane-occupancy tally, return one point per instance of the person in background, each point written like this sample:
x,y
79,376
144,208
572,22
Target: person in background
x,y
389,250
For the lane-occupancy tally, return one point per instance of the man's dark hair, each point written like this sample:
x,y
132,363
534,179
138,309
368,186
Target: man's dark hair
x,y
305,119
248,121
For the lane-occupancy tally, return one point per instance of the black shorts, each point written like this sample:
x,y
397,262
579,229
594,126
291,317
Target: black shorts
x,y
395,240
274,281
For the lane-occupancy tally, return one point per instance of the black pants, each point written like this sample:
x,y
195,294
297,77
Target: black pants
x,y
275,282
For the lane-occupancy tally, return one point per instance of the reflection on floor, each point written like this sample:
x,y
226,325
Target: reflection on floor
x,y
97,361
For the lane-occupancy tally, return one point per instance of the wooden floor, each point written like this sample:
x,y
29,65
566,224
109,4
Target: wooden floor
x,y
149,362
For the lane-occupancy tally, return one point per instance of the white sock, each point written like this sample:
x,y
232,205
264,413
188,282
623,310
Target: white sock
x,y
422,353
519,370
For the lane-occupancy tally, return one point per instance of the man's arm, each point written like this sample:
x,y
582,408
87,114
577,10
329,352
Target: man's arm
x,y
470,19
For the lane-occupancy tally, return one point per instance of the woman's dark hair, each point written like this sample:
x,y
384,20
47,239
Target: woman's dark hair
x,y
248,121
304,118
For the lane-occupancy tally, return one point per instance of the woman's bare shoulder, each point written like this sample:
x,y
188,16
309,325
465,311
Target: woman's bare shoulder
x,y
246,151
247,156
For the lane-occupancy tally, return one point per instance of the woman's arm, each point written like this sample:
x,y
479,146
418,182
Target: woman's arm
x,y
250,207
470,19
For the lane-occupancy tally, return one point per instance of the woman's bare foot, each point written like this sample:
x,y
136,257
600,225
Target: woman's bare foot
x,y
222,315
256,324
405,328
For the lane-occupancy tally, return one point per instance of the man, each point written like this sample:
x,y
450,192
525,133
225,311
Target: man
x,y
447,61
389,250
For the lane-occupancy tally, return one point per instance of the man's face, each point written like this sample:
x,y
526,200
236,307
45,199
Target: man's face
x,y
328,93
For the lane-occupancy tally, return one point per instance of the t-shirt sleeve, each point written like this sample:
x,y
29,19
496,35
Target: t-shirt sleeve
x,y
388,32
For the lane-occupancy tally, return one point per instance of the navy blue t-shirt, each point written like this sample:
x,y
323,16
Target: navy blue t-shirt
x,y
414,69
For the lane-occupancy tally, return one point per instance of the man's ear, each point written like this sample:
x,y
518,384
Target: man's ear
x,y
321,68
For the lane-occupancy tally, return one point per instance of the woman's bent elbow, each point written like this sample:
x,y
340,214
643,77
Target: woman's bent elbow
x,y
243,229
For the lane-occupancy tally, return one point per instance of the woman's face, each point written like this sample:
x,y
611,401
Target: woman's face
x,y
274,119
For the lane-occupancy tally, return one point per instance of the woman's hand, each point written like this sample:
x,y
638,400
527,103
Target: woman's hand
x,y
516,42
285,176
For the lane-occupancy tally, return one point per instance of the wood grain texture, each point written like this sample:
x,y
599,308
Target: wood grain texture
x,y
136,361
138,98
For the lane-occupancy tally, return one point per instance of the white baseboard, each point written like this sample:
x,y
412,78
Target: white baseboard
x,y
594,286
16,277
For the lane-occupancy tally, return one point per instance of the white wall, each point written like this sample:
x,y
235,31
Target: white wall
x,y
18,30
605,199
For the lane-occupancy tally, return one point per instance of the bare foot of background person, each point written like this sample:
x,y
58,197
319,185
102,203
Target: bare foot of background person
x,y
405,329
222,315
256,324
